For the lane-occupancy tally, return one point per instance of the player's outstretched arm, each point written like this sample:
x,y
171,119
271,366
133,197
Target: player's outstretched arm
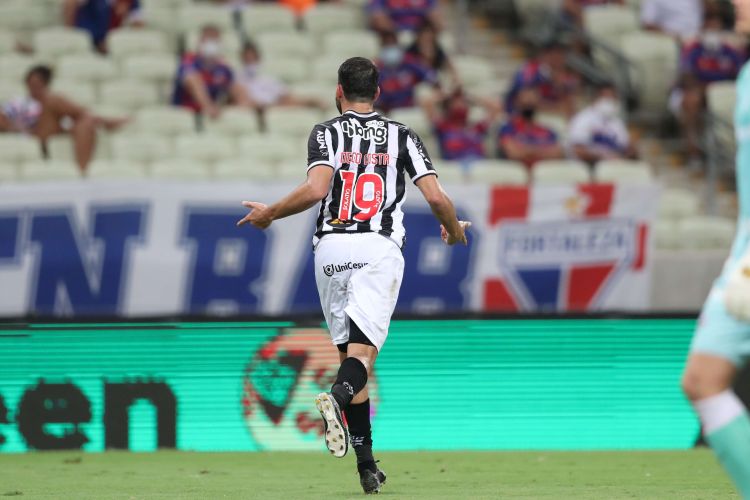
x,y
452,230
310,192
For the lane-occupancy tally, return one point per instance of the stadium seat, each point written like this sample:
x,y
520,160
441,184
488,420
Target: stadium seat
x,y
271,149
7,42
608,24
288,69
235,122
11,90
345,44
13,67
192,17
314,90
282,45
499,172
130,94
116,169
111,111
291,171
242,169
126,42
550,172
49,170
327,18
678,203
325,69
171,4
654,57
259,17
292,121
19,148
666,235
415,119
721,97
474,69
206,148
623,172
86,67
450,172
706,233
154,68
83,93
164,120
141,148
60,146
51,43
180,169
532,11
163,18
22,16
9,172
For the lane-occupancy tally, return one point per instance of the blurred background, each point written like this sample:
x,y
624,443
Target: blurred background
x,y
589,141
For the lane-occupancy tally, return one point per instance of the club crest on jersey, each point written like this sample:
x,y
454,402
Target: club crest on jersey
x,y
374,130
340,223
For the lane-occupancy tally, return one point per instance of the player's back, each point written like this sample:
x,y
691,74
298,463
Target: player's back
x,y
370,155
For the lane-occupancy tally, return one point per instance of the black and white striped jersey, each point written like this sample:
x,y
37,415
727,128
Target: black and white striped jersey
x,y
369,155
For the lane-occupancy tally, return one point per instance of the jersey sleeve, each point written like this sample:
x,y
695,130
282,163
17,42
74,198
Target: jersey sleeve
x,y
320,148
418,162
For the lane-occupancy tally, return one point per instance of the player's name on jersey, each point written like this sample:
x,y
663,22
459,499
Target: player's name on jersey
x,y
364,159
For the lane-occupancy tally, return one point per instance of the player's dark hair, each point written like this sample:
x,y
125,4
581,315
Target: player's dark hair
x,y
42,71
358,78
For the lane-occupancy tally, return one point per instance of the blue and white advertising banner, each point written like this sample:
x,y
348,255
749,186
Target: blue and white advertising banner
x,y
148,248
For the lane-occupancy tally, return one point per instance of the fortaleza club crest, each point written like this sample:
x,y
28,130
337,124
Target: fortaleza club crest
x,y
280,384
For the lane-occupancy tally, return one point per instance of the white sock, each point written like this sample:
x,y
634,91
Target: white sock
x,y
717,411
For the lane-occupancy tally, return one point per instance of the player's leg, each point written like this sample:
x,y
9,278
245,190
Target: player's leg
x,y
720,346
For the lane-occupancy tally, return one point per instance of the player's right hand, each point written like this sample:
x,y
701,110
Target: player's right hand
x,y
737,291
452,239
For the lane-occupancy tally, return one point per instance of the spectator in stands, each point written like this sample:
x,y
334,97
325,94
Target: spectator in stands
x,y
98,17
522,138
265,90
204,82
598,132
573,9
399,76
44,113
549,75
427,51
399,15
711,57
679,18
459,138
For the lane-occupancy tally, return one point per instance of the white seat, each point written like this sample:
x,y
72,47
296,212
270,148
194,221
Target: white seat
x,y
608,24
22,16
654,57
140,148
112,111
279,45
234,122
623,172
163,18
131,94
706,233
116,169
345,44
271,149
450,172
49,170
313,90
413,118
325,69
169,4
666,234
499,172
11,90
180,169
86,67
327,18
156,68
13,67
51,43
9,172
550,172
164,120
292,121
721,97
288,69
7,41
194,16
474,69
83,93
290,170
205,148
126,42
532,11
17,148
678,203
243,169
257,18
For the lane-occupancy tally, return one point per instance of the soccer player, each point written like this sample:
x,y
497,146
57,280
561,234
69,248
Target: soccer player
x,y
356,166
721,345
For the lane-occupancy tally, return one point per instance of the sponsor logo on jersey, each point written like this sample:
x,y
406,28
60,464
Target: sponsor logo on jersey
x,y
320,137
332,269
374,130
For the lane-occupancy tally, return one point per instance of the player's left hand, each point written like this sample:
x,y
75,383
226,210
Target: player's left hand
x,y
260,215
737,291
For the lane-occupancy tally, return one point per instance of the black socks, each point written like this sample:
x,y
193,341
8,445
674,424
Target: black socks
x,y
351,379
358,418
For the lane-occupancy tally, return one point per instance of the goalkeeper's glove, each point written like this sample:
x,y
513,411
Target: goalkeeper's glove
x,y
737,290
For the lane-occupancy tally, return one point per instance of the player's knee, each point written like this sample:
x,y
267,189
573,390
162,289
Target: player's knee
x,y
699,384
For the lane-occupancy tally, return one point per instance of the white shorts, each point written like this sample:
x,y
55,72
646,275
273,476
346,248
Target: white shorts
x,y
358,277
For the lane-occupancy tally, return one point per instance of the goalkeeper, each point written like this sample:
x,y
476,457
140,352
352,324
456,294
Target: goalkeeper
x,y
721,345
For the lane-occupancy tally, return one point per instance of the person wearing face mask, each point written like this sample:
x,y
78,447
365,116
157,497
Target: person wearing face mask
x,y
525,140
426,50
598,132
399,75
459,138
204,81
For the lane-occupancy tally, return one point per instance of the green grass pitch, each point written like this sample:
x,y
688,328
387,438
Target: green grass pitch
x,y
291,476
